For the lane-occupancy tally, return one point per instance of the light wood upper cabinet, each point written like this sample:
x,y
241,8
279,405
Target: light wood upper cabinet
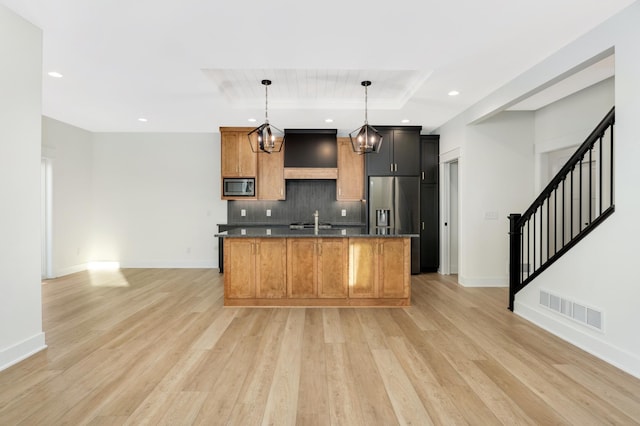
x,y
379,267
271,184
237,158
317,267
350,182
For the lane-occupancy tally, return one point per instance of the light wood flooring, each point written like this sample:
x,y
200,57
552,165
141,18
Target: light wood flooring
x,y
155,346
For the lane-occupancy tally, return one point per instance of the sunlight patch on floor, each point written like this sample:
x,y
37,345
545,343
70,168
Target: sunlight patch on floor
x,y
106,274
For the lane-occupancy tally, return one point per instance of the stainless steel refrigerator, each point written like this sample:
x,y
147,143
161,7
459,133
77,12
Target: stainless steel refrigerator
x,y
394,207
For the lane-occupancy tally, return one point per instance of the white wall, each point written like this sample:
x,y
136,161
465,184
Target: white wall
x,y
568,122
20,114
156,199
600,271
70,151
495,179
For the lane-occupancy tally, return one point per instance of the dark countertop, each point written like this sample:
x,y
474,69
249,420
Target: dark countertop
x,y
285,232
276,225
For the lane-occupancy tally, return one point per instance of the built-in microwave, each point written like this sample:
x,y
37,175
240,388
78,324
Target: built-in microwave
x,y
239,187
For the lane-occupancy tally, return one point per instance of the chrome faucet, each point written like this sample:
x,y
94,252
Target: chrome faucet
x,y
315,222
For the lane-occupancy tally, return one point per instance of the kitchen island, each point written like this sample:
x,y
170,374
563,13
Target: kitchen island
x,y
333,267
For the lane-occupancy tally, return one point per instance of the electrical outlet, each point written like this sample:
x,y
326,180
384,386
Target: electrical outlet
x,y
243,212
268,231
343,212
243,231
268,212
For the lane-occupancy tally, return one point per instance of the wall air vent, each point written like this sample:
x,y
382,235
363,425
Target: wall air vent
x,y
585,315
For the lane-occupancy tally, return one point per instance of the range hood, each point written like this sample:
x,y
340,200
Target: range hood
x,y
311,154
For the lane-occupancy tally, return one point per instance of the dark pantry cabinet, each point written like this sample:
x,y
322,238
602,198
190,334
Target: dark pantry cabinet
x,y
429,203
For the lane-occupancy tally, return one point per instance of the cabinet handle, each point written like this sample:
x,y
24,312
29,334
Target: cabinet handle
x,y
396,168
423,226
422,175
391,164
253,249
381,245
257,248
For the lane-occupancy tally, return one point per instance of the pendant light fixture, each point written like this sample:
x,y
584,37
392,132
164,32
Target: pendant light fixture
x,y
270,138
366,139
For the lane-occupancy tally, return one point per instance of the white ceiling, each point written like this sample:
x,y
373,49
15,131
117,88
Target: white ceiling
x,y
188,65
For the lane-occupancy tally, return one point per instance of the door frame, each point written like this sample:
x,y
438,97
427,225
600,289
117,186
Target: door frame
x,y
46,217
446,159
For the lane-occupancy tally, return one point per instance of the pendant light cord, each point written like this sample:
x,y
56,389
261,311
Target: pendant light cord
x,y
366,121
266,103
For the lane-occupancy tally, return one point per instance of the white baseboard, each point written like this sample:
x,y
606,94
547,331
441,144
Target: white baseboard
x,y
483,282
198,264
572,333
22,350
208,263
61,272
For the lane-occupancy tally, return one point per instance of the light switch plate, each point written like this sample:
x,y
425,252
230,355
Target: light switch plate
x,y
491,215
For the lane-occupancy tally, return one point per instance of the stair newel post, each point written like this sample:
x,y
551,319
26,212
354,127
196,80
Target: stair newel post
x,y
515,256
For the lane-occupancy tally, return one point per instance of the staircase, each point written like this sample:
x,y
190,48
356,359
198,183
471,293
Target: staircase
x,y
576,201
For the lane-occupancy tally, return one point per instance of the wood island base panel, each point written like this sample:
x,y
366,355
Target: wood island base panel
x,y
319,303
317,271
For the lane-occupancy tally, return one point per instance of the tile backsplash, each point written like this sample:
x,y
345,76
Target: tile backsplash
x,y
303,198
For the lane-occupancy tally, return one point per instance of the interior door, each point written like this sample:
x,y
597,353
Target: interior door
x,y
453,218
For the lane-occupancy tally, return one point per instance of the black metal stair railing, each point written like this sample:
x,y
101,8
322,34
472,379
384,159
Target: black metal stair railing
x,y
576,201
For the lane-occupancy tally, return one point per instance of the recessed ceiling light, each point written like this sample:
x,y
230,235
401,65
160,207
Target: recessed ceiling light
x,y
329,120
454,93
406,120
252,120
55,74
144,120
